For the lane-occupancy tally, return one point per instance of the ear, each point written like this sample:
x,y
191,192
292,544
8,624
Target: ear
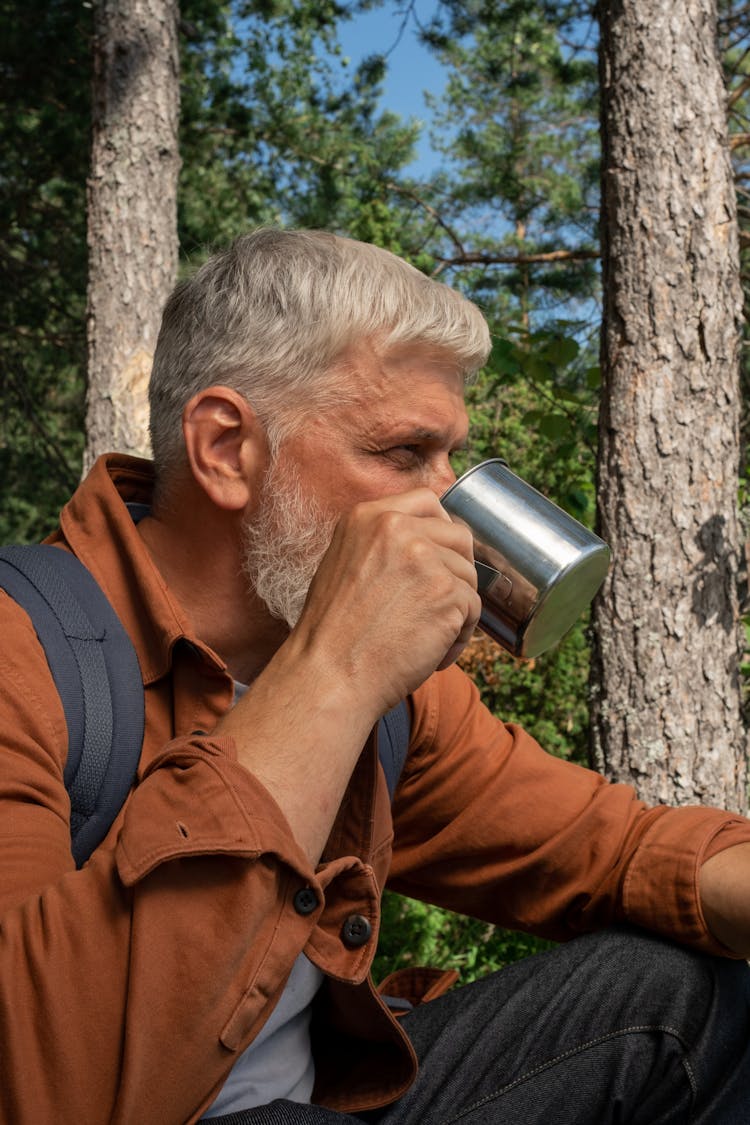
x,y
226,446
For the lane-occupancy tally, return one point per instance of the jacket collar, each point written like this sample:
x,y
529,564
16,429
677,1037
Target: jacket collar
x,y
98,528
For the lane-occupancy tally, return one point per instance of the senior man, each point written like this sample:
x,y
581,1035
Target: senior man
x,y
292,579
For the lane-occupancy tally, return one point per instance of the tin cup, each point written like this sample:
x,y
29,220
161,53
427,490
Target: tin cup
x,y
537,567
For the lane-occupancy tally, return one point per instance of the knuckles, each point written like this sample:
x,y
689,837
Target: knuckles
x,y
413,563
368,519
407,539
418,554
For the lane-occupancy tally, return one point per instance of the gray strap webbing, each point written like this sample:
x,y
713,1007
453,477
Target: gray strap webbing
x,y
97,676
394,730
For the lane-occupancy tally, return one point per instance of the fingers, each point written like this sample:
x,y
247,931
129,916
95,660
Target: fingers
x,y
470,623
433,522
416,502
396,593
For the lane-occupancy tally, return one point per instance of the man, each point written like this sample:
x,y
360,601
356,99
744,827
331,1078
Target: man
x,y
293,579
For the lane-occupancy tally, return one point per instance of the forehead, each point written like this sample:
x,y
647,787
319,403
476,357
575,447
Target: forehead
x,y
412,384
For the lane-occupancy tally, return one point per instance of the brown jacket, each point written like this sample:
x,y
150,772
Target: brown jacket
x,y
128,989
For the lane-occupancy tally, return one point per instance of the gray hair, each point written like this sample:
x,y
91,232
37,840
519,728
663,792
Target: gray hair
x,y
271,315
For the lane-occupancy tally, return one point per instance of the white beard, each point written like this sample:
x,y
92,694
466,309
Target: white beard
x,y
284,543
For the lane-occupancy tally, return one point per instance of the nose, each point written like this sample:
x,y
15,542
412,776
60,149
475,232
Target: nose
x,y
442,477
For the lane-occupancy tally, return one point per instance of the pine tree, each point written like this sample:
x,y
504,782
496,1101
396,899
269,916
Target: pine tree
x,y
517,126
666,712
132,214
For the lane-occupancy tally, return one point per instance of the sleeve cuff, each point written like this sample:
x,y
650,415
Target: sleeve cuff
x,y
660,891
195,800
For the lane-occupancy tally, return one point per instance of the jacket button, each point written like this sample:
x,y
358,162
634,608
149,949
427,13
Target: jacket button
x,y
305,900
356,931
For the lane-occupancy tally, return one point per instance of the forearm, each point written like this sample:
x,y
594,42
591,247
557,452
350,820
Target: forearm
x,y
725,897
299,730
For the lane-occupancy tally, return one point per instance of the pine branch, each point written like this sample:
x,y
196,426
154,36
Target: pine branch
x,y
737,93
410,193
488,259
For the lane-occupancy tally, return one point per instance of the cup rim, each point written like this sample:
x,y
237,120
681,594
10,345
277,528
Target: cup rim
x,y
473,469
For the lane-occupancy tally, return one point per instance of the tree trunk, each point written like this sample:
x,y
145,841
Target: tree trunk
x,y
132,213
666,707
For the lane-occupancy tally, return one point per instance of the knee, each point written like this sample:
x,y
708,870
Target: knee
x,y
667,982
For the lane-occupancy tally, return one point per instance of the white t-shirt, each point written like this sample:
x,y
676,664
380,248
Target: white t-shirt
x,y
278,1063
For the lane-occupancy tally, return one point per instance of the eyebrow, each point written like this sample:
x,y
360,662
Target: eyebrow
x,y
422,433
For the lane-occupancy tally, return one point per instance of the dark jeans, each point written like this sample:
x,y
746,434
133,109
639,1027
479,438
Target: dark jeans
x,y
611,1028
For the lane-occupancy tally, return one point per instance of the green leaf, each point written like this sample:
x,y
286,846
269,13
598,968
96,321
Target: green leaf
x,y
532,417
537,369
553,425
504,357
565,394
560,350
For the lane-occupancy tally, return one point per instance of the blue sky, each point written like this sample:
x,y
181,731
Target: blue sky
x,y
411,68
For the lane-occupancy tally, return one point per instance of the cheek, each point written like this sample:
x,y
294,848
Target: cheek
x,y
347,488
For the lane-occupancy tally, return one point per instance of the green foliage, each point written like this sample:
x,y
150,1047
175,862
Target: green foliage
x,y
519,132
547,695
43,157
536,404
415,934
278,128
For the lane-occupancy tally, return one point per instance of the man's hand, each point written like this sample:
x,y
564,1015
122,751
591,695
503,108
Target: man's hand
x,y
725,897
393,600
394,597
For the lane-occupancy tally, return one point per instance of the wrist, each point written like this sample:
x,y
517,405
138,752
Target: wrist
x,y
337,678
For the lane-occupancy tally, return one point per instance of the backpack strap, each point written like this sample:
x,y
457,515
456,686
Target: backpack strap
x,y
394,730
96,673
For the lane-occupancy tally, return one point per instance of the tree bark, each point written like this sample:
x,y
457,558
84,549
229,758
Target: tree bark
x,y
666,703
132,213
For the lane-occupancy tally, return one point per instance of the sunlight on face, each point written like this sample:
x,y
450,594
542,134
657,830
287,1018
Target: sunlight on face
x,y
399,417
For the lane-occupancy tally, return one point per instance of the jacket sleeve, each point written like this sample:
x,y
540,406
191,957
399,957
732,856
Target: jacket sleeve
x,y
127,988
488,824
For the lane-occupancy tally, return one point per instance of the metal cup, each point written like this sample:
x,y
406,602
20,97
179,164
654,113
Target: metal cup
x,y
538,568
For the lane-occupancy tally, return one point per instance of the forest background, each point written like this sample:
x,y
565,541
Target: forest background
x,y
277,126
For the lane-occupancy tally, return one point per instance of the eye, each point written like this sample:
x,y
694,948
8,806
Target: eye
x,y
404,455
